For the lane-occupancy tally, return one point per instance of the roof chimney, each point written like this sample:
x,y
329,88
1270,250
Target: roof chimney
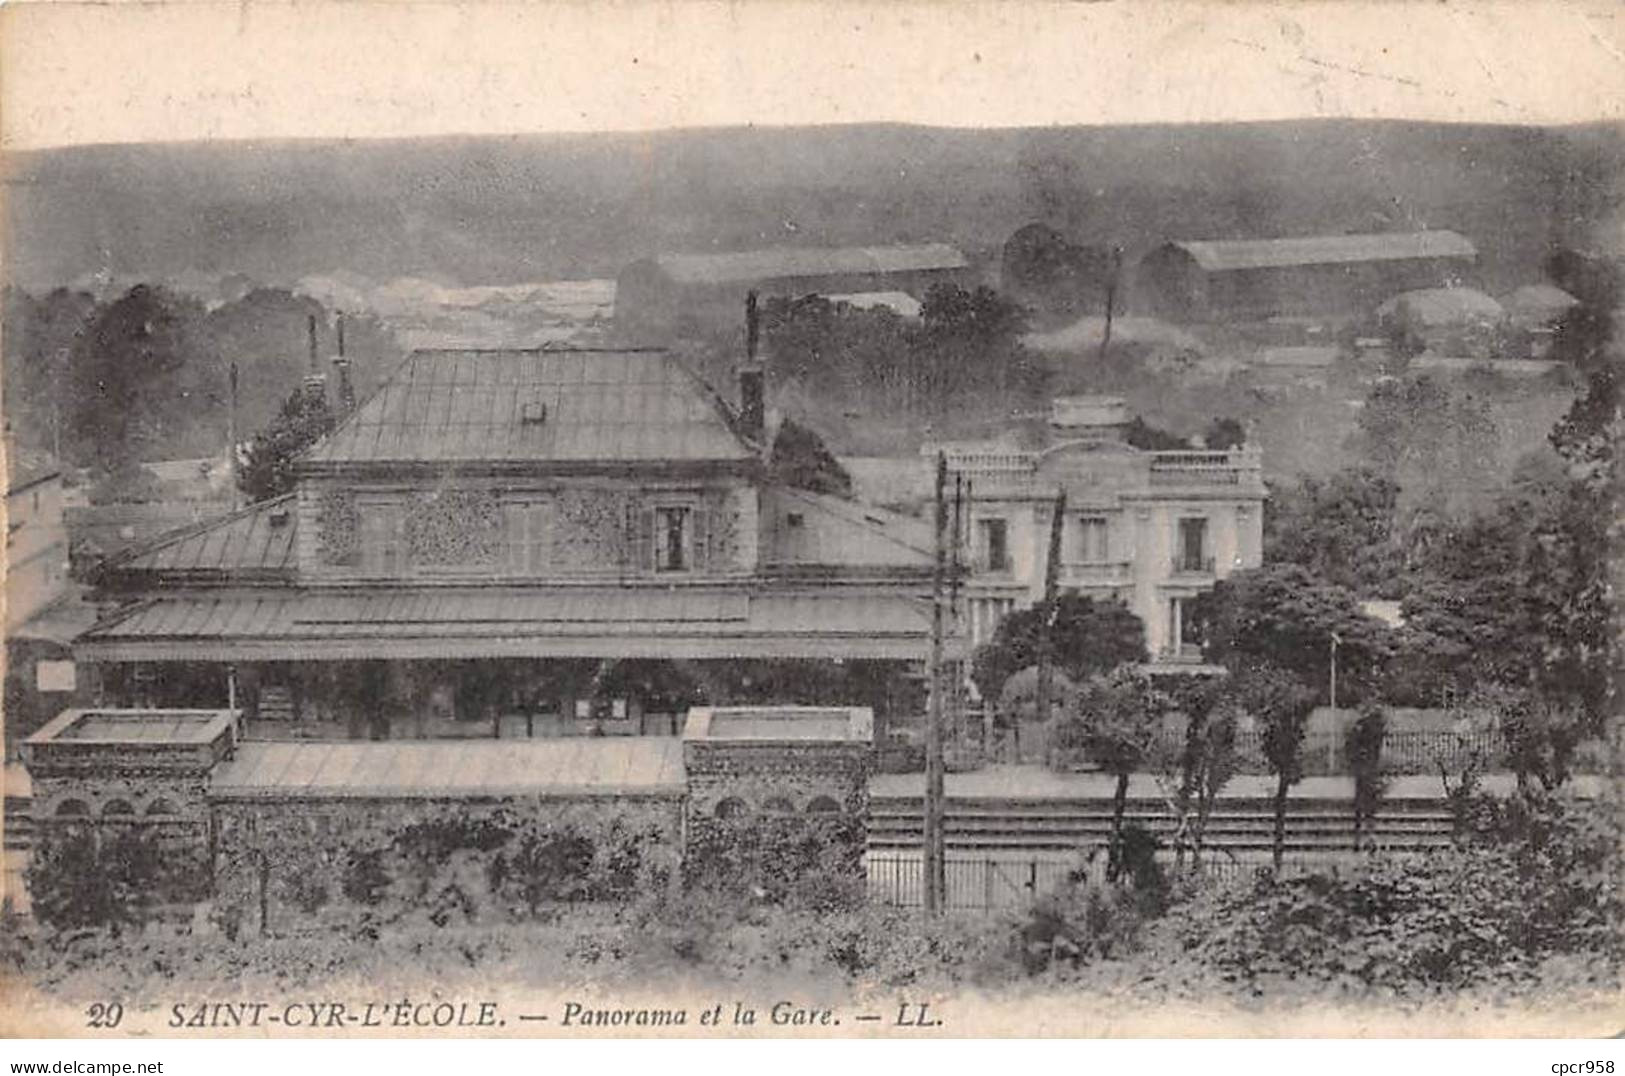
x,y
342,366
315,384
752,376
1098,417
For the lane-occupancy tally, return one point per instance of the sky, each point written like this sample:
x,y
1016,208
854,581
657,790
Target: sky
x,y
131,72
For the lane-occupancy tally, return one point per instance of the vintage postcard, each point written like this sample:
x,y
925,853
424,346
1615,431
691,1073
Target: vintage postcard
x,y
832,520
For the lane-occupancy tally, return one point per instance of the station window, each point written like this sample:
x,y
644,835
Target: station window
x,y
672,536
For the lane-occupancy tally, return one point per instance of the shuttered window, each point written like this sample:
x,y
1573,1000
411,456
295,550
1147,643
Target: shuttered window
x,y
667,536
639,538
673,538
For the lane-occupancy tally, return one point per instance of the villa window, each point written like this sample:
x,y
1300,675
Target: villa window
x,y
1093,540
1191,553
993,543
672,534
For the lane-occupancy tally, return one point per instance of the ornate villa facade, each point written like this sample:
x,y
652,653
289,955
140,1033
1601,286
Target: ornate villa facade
x,y
1153,529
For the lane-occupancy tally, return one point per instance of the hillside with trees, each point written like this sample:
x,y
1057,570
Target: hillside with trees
x,y
553,207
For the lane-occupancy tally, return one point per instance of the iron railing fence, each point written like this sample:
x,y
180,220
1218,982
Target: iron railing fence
x,y
989,884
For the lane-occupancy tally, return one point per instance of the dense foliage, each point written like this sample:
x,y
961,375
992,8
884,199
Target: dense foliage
x,y
964,345
800,460
1285,615
1527,905
1538,881
146,375
1090,637
267,464
111,879
1339,529
1438,442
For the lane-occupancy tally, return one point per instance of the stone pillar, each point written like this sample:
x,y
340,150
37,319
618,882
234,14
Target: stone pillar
x,y
776,769
103,772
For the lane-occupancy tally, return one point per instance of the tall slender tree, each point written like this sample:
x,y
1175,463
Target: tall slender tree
x,y
1281,704
1120,717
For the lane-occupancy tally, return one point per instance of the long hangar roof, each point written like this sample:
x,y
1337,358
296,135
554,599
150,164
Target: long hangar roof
x,y
784,262
1220,255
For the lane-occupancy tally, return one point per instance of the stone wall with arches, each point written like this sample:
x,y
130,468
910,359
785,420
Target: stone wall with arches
x,y
765,796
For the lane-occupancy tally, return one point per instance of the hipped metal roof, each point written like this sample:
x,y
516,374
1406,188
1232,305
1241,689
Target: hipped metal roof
x,y
566,406
581,766
1220,255
256,541
779,263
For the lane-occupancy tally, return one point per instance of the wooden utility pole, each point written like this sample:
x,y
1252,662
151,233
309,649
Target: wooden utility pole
x,y
1111,298
956,568
1046,638
935,872
231,439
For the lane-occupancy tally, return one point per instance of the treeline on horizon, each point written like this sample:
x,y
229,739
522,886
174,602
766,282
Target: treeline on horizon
x,y
147,375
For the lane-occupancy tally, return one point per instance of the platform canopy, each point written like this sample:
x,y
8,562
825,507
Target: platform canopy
x,y
577,766
491,622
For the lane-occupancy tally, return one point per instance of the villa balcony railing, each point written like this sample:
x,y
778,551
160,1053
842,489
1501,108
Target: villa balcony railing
x,y
1096,573
1183,654
1191,566
992,462
1194,468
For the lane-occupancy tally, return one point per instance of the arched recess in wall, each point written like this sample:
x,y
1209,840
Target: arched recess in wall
x,y
778,805
823,805
72,809
160,806
117,809
731,807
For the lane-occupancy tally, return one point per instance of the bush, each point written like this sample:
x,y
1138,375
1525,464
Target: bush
x,y
1538,882
441,868
81,878
801,861
1082,924
734,939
